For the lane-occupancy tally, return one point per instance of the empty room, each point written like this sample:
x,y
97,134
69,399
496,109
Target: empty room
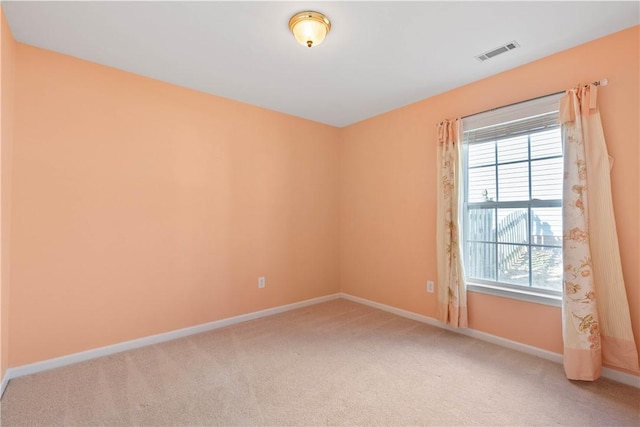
x,y
319,213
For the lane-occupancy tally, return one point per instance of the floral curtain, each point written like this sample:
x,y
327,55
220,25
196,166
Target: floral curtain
x,y
452,299
596,319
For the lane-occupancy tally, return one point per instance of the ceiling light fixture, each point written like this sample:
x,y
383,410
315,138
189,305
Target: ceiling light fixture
x,y
309,28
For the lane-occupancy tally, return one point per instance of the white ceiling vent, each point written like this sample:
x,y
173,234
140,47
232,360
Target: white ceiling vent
x,y
497,51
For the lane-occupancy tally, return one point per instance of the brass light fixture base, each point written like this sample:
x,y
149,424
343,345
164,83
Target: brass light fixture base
x,y
309,27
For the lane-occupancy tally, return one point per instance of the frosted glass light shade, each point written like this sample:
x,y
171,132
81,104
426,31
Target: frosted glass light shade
x,y
309,28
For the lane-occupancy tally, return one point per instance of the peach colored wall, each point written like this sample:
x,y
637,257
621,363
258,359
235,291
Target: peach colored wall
x,y
141,207
387,226
7,62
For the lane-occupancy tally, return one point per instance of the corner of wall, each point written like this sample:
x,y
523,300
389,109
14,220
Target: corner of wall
x,y
7,63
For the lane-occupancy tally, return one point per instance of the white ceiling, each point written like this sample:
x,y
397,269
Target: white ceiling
x,y
378,56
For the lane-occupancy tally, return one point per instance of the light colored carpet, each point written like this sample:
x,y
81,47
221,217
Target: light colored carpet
x,y
336,363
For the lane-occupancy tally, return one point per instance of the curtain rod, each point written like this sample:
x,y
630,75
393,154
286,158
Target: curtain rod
x,y
602,82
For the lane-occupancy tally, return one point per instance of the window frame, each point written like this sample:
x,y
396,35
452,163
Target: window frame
x,y
500,116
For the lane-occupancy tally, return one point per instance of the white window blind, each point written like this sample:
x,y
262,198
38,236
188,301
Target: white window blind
x,y
515,128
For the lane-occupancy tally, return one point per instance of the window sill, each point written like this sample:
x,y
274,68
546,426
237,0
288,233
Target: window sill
x,y
529,296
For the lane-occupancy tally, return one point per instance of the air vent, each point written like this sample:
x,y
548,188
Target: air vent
x,y
497,51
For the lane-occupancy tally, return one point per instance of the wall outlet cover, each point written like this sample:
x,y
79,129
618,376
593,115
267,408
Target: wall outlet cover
x,y
430,286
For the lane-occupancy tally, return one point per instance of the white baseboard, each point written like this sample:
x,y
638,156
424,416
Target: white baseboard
x,y
609,373
3,384
70,359
621,377
83,356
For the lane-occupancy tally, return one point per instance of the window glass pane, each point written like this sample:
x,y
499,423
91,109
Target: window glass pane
x,y
546,144
546,264
483,153
513,185
481,225
546,226
481,261
513,182
546,179
482,184
513,149
513,225
513,264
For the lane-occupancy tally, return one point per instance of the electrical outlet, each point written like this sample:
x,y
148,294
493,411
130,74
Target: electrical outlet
x,y
430,286
262,282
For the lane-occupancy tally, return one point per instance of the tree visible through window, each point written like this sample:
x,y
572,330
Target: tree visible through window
x,y
513,204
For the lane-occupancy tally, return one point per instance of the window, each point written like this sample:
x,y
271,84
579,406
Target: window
x,y
512,207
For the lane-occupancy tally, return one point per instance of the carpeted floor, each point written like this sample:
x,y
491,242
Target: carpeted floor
x,y
335,363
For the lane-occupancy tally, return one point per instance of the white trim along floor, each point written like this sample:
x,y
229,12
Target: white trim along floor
x,y
57,362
